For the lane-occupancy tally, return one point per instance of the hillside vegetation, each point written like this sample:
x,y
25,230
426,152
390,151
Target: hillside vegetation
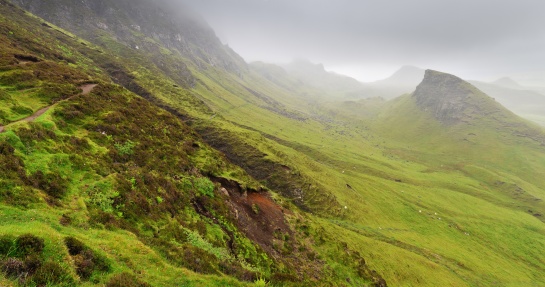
x,y
183,166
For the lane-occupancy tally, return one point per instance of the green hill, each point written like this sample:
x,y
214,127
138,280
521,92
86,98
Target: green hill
x,y
184,166
109,189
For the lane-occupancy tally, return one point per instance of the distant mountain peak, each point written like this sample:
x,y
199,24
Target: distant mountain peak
x,y
407,74
402,81
507,83
451,99
408,68
316,76
305,64
435,76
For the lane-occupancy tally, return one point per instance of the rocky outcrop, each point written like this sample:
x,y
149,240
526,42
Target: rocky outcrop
x,y
450,99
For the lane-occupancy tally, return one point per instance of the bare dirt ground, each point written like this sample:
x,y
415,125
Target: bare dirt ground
x,y
256,214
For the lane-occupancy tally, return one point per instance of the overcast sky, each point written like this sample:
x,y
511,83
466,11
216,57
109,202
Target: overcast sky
x,y
370,39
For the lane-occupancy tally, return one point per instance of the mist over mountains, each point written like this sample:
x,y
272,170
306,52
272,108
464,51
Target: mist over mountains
x,y
525,101
370,40
139,149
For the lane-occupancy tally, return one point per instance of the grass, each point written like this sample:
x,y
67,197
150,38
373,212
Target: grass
x,y
439,173
421,204
127,253
401,167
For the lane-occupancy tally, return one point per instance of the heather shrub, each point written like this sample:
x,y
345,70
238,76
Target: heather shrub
x,y
50,273
13,267
86,260
29,244
126,280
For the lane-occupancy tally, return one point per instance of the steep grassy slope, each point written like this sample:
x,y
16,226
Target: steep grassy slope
x,y
425,202
243,98
107,188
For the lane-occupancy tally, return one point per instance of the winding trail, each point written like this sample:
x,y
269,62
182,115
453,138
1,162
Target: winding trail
x,y
86,89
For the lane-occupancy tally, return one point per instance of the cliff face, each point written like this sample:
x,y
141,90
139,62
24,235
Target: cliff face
x,y
452,100
141,24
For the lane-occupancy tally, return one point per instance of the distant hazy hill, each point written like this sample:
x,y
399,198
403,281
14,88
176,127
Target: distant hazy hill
x,y
523,101
315,75
459,107
401,82
507,82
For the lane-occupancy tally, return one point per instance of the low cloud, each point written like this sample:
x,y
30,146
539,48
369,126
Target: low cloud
x,y
475,39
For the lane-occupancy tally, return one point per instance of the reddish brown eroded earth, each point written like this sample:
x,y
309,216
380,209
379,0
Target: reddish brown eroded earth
x,y
256,214
260,216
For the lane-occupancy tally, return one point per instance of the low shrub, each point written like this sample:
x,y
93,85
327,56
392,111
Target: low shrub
x,y
36,132
125,148
6,148
32,263
52,183
126,280
53,92
102,195
84,264
13,267
17,195
236,270
17,78
199,260
74,246
204,186
86,260
28,244
260,282
51,273
7,245
23,255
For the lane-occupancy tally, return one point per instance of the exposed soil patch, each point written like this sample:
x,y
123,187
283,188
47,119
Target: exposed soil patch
x,y
86,89
256,214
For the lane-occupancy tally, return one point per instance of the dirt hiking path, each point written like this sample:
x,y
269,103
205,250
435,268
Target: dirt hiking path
x,y
86,89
